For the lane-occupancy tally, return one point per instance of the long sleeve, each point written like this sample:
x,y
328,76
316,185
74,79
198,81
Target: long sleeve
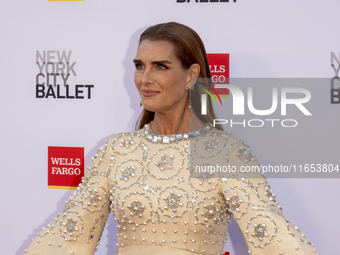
x,y
259,217
77,230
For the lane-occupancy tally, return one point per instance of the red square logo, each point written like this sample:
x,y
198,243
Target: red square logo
x,y
65,167
219,69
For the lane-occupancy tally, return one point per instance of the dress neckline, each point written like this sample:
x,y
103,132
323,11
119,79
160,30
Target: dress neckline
x,y
174,138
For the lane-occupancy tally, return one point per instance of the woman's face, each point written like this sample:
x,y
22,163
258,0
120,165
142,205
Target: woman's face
x,y
160,78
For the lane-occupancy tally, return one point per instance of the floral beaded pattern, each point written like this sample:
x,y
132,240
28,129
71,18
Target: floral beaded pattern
x,y
151,185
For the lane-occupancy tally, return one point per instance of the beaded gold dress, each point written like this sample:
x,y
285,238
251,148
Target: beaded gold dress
x,y
164,205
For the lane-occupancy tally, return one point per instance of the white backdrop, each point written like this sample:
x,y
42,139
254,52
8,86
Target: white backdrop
x,y
264,38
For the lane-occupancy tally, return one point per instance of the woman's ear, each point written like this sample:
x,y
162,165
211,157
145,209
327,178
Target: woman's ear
x,y
194,72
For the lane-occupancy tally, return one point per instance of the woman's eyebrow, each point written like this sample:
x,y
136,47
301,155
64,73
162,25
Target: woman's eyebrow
x,y
161,62
138,61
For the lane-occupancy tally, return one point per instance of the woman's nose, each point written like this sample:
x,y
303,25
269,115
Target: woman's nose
x,y
146,76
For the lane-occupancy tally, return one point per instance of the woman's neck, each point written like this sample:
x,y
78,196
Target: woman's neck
x,y
168,124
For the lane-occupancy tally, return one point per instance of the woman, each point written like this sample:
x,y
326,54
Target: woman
x,y
154,180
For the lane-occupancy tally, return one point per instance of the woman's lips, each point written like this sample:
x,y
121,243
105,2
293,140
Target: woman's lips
x,y
149,93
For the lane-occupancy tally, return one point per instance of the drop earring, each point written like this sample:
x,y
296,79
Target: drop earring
x,y
189,88
140,104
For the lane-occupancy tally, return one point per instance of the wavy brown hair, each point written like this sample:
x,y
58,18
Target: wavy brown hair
x,y
189,49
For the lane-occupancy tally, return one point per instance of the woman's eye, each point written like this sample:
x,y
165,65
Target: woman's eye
x,y
139,66
162,67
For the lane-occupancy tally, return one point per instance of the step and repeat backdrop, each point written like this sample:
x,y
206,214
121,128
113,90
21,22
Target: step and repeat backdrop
x,y
67,85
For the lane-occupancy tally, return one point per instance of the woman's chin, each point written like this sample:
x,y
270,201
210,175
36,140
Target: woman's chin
x,y
150,108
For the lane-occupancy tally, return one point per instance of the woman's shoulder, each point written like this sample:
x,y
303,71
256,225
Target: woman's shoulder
x,y
231,137
125,139
236,146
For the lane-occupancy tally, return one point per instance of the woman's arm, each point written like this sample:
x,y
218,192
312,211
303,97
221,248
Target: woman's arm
x,y
259,217
77,230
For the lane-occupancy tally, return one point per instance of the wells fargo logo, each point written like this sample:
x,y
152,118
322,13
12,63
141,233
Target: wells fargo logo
x,y
219,69
65,167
